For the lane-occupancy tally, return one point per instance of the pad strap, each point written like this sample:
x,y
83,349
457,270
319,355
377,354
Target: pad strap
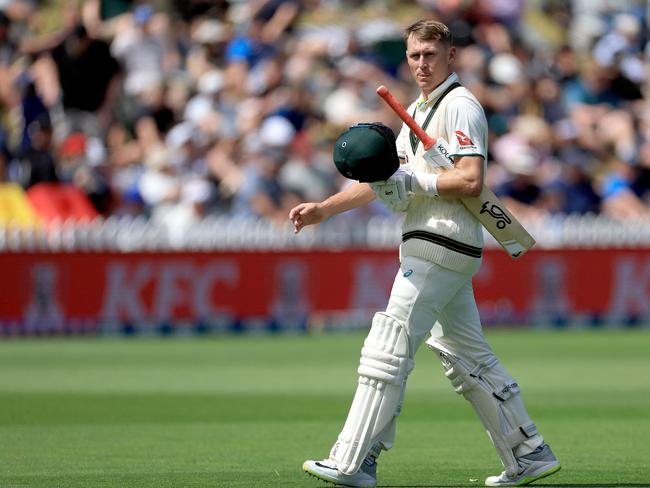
x,y
382,366
519,435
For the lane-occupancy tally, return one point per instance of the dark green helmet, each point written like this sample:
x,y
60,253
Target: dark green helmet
x,y
366,152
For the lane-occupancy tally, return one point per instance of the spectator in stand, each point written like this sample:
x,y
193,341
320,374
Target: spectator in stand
x,y
593,86
89,80
616,190
144,50
207,47
641,181
260,192
193,204
250,48
7,45
520,191
571,190
5,156
77,168
36,163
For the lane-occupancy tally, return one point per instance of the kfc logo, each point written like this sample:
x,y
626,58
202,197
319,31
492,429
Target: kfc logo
x,y
463,140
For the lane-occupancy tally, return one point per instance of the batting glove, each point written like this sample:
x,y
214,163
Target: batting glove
x,y
395,192
415,182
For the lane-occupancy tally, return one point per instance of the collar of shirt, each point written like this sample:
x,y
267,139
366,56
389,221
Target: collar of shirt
x,y
423,103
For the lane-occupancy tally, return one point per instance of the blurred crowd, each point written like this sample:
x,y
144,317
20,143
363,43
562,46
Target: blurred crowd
x,y
181,109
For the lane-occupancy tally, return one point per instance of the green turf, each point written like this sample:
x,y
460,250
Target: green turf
x,y
246,411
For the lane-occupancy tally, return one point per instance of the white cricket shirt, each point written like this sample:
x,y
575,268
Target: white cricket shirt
x,y
442,230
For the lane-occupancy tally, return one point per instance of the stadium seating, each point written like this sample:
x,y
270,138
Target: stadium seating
x,y
56,202
15,207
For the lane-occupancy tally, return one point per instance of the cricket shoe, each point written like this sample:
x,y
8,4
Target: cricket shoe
x,y
538,464
326,470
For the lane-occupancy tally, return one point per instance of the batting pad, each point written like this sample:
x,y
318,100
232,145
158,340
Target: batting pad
x,y
494,394
384,366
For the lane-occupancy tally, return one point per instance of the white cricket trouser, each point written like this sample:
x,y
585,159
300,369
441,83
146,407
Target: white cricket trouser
x,y
428,298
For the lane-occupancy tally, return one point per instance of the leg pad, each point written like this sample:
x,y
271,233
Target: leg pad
x,y
384,366
495,398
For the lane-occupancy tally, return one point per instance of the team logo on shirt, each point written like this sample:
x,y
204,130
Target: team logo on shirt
x,y
463,139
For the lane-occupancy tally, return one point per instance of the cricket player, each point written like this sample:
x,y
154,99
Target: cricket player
x,y
432,298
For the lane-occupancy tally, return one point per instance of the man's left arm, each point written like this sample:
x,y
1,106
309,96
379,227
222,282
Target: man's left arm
x,y
465,179
467,144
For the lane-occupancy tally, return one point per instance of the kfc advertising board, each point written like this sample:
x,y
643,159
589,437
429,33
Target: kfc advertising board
x,y
88,292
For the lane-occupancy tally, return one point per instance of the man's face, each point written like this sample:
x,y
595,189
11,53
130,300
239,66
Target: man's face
x,y
429,62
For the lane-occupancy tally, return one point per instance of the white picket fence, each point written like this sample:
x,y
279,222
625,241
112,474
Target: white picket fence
x,y
137,234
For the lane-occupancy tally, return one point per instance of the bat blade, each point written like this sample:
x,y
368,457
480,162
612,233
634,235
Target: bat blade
x,y
500,223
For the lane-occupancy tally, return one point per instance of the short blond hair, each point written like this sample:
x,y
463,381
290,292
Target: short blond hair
x,y
429,30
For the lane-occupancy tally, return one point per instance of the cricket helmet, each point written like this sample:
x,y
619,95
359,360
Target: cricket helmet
x,y
366,152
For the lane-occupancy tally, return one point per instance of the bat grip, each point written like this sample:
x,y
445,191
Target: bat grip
x,y
387,96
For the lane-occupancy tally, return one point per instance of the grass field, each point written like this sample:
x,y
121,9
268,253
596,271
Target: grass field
x,y
246,411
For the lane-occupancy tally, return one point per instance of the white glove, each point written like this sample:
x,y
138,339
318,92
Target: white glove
x,y
395,192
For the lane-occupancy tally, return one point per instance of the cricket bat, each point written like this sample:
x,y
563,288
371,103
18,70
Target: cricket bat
x,y
487,207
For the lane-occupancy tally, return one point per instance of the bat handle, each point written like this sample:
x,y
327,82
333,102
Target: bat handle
x,y
427,140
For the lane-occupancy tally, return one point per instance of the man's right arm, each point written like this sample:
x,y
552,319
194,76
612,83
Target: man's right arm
x,y
353,196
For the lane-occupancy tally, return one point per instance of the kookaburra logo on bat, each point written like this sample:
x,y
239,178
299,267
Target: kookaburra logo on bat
x,y
443,150
496,212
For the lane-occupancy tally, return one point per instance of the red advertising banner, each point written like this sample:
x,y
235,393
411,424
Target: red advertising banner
x,y
51,291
